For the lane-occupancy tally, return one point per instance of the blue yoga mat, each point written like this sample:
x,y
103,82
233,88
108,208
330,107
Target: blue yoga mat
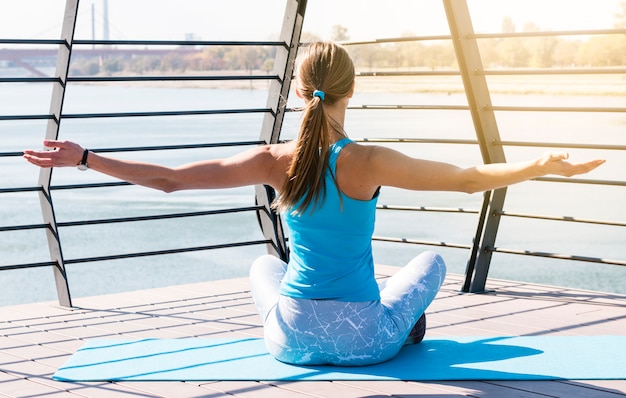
x,y
450,358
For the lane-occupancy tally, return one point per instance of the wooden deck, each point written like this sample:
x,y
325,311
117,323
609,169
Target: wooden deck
x,y
35,339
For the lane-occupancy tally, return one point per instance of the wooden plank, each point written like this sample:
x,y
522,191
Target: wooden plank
x,y
254,389
613,386
177,389
557,389
12,386
322,388
410,389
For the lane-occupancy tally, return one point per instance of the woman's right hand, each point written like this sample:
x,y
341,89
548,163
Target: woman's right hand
x,y
60,154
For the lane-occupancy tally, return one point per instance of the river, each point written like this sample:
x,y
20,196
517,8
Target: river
x,y
576,200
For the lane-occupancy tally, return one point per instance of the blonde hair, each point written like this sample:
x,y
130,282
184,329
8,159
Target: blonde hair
x,y
325,67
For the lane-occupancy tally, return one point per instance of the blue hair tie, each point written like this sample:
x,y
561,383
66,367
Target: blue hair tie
x,y
320,94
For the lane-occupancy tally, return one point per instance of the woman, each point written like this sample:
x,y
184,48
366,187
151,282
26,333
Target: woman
x,y
325,306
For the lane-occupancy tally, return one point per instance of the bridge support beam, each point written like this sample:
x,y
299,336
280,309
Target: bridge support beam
x,y
52,132
270,221
486,128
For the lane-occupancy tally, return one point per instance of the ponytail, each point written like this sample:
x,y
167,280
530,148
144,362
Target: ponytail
x,y
325,75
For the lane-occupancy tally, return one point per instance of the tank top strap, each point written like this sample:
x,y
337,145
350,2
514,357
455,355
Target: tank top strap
x,y
335,149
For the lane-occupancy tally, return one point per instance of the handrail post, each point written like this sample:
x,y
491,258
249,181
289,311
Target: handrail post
x,y
52,133
284,62
486,128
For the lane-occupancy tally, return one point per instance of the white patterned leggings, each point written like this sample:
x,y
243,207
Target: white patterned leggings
x,y
317,332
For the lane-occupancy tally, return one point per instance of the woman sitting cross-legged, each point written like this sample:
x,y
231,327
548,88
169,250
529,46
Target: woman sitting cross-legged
x,y
325,306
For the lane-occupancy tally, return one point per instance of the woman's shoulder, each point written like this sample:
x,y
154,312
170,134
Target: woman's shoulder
x,y
281,151
279,157
274,151
357,151
288,146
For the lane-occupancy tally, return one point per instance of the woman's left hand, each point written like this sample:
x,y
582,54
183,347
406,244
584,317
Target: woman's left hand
x,y
553,162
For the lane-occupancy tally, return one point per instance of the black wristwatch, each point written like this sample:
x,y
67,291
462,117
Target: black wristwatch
x,y
83,162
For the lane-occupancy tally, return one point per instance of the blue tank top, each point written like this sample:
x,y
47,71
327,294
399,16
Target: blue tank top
x,y
331,245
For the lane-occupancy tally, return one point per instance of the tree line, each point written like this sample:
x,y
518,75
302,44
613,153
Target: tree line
x,y
513,52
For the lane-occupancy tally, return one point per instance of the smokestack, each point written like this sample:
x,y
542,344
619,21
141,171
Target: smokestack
x,y
93,24
105,17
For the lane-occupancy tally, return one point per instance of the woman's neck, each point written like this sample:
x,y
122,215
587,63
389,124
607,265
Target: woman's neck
x,y
336,116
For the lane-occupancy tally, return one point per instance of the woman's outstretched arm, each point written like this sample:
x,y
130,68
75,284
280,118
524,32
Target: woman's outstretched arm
x,y
254,166
393,168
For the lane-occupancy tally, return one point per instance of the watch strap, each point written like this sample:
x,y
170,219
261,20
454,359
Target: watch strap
x,y
83,162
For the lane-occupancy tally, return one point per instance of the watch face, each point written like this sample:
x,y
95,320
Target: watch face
x,y
82,167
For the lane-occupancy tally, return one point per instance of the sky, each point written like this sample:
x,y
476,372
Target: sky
x,y
261,20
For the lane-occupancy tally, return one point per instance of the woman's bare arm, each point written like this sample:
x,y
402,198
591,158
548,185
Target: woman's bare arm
x,y
389,167
254,166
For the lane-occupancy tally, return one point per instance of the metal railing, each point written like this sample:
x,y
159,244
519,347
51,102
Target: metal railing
x,y
473,73
285,50
481,245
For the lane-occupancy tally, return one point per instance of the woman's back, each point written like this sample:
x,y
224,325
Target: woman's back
x,y
330,239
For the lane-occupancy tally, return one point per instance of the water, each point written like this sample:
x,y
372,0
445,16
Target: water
x,y
581,201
